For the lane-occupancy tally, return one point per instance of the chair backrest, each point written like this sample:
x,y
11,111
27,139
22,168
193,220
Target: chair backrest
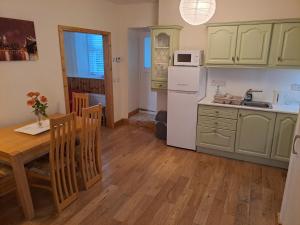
x,y
79,101
90,149
62,160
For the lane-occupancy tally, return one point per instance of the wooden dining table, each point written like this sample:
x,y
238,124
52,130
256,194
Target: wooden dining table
x,y
17,149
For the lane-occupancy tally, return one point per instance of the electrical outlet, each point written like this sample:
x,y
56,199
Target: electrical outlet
x,y
220,83
295,87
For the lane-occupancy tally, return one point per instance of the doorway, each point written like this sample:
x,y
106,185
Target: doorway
x,y
87,67
141,98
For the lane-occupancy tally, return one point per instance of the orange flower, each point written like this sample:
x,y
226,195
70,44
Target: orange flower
x,y
37,94
43,99
30,94
30,102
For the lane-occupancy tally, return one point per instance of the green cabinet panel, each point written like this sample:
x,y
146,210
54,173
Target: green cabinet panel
x,y
159,85
255,133
253,44
164,41
229,113
287,44
283,136
208,137
221,45
219,123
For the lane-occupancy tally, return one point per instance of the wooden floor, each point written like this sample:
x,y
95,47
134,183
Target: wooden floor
x,y
146,182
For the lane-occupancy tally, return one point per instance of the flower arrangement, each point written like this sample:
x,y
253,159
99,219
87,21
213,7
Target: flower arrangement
x,y
39,104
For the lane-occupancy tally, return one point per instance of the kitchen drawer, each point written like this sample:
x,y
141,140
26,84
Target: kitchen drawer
x,y
159,85
213,138
222,112
219,123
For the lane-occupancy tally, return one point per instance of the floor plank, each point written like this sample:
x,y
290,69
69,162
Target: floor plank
x,y
146,182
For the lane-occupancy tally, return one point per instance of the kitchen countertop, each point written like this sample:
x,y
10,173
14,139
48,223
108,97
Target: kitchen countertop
x,y
291,109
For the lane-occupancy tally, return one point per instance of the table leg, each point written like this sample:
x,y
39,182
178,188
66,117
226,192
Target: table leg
x,y
23,187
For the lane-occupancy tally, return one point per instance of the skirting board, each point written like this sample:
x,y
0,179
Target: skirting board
x,y
237,156
121,122
132,113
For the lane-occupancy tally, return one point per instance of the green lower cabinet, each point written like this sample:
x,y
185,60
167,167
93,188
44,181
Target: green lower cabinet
x,y
255,131
213,138
283,137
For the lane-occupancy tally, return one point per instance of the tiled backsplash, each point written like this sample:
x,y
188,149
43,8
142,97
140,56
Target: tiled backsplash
x,y
238,81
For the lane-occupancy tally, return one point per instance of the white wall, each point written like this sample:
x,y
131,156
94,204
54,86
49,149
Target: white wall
x,y
132,16
237,80
268,80
195,37
133,69
17,78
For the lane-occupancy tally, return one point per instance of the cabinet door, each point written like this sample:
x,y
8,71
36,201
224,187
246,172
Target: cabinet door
x,y
288,47
283,136
253,44
208,137
255,133
161,54
221,45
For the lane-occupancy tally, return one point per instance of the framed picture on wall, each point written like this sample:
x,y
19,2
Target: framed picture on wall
x,y
17,40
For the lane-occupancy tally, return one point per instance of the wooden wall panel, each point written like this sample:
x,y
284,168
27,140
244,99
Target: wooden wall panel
x,y
86,85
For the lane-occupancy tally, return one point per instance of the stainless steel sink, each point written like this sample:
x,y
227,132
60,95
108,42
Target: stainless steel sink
x,y
266,105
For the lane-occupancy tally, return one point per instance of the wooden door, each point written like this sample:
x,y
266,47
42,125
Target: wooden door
x,y
255,133
283,136
221,45
288,47
253,44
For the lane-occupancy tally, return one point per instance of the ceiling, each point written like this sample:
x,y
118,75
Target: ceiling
x,y
131,1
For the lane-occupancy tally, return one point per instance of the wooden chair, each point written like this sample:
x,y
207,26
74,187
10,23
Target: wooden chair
x,y
79,101
90,150
58,176
7,181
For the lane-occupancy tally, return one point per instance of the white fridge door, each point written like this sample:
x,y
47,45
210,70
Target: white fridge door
x,y
289,214
183,78
182,119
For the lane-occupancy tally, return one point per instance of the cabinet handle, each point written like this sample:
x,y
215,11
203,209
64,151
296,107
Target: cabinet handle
x,y
233,59
279,59
240,115
295,140
238,58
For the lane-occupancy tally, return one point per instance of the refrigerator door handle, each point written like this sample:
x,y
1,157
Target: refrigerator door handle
x,y
295,139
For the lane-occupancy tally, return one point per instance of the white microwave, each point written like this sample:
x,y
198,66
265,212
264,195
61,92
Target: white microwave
x,y
188,58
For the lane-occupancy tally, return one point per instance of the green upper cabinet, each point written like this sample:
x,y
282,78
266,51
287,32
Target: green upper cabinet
x,y
165,40
221,45
283,136
253,44
269,43
255,133
286,45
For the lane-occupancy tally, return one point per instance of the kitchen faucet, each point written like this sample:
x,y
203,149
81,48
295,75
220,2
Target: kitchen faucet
x,y
249,94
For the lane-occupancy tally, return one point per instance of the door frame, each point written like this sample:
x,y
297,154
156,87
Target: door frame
x,y
108,80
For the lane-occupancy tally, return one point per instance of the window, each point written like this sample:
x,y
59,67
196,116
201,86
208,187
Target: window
x,y
147,52
95,55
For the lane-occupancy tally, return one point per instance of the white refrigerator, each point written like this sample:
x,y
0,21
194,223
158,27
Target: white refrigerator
x,y
290,208
186,87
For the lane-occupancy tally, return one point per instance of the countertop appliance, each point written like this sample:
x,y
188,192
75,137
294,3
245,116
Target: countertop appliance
x,y
289,214
188,58
186,87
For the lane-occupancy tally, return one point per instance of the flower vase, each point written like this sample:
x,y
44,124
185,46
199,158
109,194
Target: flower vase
x,y
39,119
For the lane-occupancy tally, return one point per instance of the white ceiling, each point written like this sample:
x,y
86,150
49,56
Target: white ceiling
x,y
131,1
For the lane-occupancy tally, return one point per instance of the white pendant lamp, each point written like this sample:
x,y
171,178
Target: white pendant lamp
x,y
196,12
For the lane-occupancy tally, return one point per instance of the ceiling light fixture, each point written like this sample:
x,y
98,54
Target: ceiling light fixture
x,y
196,12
